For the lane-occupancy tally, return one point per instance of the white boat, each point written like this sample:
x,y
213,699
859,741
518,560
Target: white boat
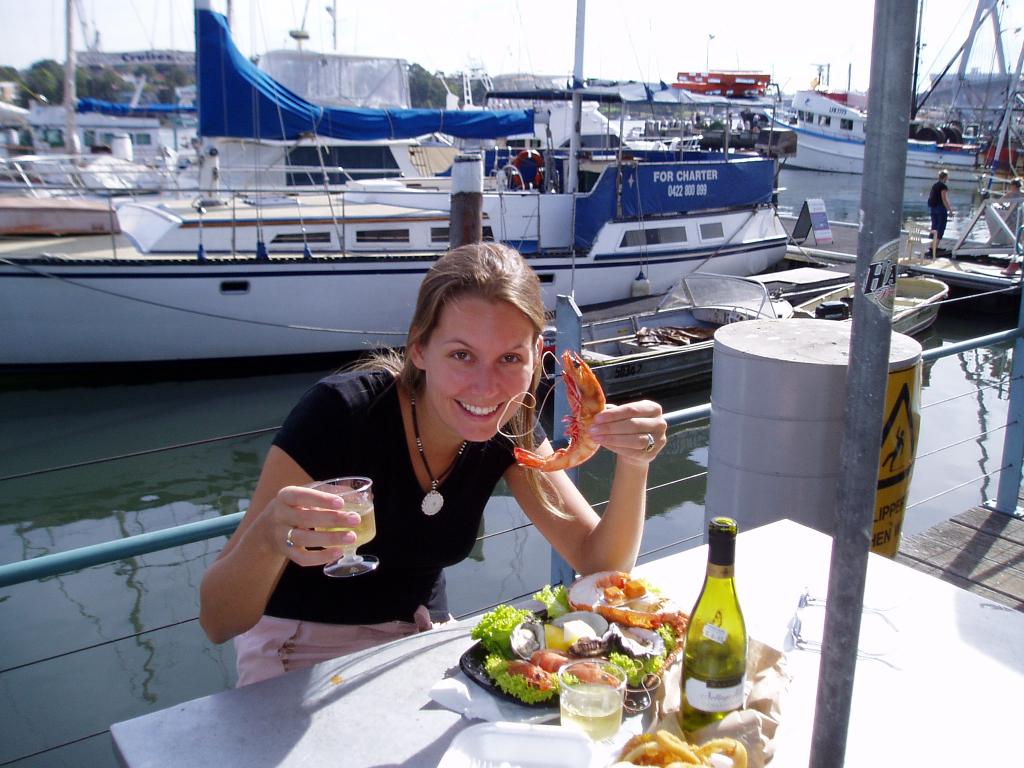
x,y
277,274
643,351
831,137
915,305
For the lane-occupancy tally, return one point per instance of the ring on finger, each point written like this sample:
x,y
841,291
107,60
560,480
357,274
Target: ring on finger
x,y
651,442
288,539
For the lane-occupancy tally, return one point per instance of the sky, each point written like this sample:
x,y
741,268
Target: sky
x,y
648,40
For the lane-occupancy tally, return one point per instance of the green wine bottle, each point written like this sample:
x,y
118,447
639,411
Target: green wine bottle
x,y
715,655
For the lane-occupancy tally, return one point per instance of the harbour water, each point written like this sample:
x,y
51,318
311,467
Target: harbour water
x,y
94,647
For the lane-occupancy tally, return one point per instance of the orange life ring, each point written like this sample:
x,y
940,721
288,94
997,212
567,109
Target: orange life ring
x,y
523,158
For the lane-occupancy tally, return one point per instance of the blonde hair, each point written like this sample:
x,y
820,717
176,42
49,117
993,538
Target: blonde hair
x,y
488,271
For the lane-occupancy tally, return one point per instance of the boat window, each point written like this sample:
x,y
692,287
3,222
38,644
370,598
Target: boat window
x,y
90,138
712,231
297,237
382,236
442,235
142,139
54,137
824,120
846,125
341,163
650,236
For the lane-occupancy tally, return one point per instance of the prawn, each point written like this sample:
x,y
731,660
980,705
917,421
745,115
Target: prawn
x,y
586,399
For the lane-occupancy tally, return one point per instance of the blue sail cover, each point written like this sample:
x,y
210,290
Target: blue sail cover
x,y
650,190
237,99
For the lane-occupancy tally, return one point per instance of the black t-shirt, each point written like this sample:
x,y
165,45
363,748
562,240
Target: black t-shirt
x,y
351,424
935,196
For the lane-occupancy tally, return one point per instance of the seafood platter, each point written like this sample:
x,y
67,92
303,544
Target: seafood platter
x,y
607,615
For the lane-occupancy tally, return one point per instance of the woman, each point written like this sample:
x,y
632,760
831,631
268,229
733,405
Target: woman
x,y
430,419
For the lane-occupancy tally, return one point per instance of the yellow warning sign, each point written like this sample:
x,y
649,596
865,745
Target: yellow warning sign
x,y
896,459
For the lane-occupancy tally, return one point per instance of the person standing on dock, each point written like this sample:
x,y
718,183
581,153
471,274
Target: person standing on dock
x,y
441,417
940,209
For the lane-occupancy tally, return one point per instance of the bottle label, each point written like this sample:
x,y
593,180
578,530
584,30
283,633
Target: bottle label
x,y
714,633
715,695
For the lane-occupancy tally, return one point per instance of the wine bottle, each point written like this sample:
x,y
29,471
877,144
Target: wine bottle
x,y
715,655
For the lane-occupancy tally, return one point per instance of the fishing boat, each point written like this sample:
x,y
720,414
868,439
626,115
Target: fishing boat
x,y
725,82
215,276
645,350
915,305
831,137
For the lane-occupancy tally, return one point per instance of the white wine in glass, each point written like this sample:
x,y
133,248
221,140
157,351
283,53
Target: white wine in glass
x,y
357,492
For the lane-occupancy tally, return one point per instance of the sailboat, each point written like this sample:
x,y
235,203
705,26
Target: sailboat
x,y
274,273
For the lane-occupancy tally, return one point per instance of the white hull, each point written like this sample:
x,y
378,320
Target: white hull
x,y
83,309
831,138
817,152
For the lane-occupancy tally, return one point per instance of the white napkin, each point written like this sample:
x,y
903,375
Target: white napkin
x,y
460,694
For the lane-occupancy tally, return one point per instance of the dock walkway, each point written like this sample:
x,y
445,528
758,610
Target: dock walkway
x,y
981,551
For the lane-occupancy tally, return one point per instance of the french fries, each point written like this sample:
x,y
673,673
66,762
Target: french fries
x,y
667,750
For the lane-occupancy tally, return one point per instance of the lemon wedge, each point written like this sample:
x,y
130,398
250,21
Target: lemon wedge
x,y
554,638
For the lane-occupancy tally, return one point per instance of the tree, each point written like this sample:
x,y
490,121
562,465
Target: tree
x,y
98,83
45,78
425,90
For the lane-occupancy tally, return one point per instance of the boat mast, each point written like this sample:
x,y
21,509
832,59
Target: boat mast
x,y
1006,123
917,61
70,139
577,98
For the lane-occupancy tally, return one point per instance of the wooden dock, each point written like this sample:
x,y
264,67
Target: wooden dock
x,y
981,551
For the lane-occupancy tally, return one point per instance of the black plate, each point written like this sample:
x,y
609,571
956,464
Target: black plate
x,y
472,663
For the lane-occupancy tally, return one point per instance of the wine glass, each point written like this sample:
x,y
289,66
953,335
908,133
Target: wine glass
x,y
357,493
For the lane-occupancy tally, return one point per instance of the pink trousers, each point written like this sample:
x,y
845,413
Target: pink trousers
x,y
275,646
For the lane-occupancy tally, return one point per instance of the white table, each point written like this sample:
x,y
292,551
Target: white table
x,y
946,689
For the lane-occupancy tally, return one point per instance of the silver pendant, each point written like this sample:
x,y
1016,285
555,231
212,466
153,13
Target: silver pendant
x,y
432,503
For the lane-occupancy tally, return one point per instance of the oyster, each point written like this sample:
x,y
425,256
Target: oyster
x,y
635,641
527,638
588,647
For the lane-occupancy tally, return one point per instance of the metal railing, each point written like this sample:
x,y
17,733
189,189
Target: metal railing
x,y
111,551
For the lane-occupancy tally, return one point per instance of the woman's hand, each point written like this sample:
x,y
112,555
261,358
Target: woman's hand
x,y
635,432
296,521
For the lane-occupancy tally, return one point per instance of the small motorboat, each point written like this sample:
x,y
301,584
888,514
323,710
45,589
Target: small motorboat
x,y
670,346
915,307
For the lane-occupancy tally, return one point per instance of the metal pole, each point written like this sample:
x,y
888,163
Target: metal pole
x,y
577,100
1013,441
568,335
70,139
885,160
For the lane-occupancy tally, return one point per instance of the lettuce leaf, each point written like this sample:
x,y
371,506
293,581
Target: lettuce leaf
x,y
514,685
636,669
555,598
495,627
